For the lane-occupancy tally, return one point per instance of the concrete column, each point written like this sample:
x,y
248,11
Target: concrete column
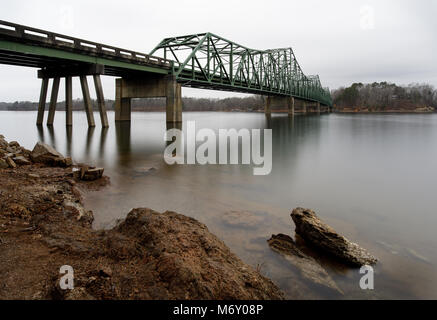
x,y
268,102
42,101
53,101
291,106
122,105
101,100
87,101
305,110
318,107
68,101
173,101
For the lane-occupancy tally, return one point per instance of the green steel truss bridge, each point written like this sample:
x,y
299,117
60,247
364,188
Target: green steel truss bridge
x,y
201,61
212,62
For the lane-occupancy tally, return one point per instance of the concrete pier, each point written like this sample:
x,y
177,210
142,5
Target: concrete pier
x,y
291,106
42,101
53,101
69,101
280,103
267,107
150,87
87,101
101,100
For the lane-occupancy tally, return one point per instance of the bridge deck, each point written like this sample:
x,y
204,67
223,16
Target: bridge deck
x,y
30,47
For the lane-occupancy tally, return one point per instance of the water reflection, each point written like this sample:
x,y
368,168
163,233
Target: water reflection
x,y
372,177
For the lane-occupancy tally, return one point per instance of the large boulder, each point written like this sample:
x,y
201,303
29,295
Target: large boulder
x,y
309,268
189,262
43,153
318,234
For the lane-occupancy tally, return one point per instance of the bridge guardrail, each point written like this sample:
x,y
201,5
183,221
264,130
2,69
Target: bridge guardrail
x,y
13,31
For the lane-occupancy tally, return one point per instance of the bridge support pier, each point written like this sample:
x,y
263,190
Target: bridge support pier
x,y
69,101
53,101
291,106
280,103
87,101
268,102
42,101
68,73
150,87
101,100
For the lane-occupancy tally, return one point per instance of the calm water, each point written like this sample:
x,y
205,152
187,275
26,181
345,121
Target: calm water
x,y
371,177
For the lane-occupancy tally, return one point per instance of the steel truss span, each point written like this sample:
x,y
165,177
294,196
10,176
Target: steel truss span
x,y
212,62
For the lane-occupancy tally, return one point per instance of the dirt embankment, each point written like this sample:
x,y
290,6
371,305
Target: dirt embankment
x,y
148,255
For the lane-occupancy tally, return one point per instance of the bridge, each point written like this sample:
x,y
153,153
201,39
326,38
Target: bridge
x,y
204,61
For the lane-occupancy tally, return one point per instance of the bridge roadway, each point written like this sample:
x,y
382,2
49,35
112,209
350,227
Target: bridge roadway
x,y
210,62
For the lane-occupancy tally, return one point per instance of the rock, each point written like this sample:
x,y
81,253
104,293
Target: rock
x,y
143,171
318,234
3,164
22,161
92,174
11,163
14,144
3,144
44,153
67,162
189,262
309,268
243,219
33,175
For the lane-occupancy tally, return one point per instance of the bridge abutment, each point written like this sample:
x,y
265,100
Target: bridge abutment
x,y
150,87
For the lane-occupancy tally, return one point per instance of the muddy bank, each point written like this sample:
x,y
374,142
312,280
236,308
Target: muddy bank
x,y
148,255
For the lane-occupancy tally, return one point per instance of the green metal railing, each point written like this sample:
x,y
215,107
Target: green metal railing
x,y
209,61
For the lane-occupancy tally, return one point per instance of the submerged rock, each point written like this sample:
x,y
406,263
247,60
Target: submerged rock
x,y
309,268
243,219
318,234
87,174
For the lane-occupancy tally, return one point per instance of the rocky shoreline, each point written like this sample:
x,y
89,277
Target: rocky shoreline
x,y
148,255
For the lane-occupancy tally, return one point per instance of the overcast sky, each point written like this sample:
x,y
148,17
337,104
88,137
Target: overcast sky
x,y
343,41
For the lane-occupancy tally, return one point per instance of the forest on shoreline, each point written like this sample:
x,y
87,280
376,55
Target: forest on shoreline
x,y
384,96
375,97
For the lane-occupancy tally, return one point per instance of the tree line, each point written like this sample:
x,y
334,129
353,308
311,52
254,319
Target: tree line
x,y
385,96
249,103
382,96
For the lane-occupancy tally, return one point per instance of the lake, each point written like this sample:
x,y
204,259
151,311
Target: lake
x,y
372,177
